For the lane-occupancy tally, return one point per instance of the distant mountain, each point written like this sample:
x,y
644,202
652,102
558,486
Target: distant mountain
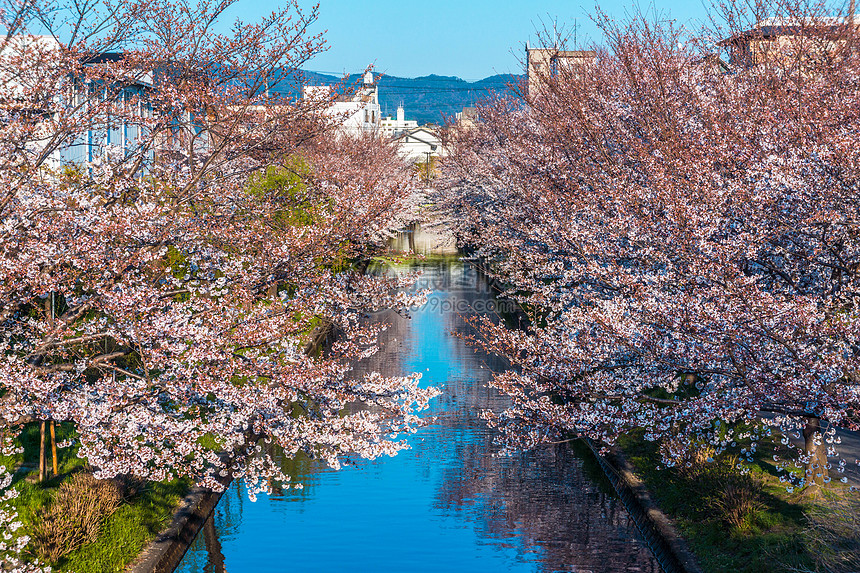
x,y
428,99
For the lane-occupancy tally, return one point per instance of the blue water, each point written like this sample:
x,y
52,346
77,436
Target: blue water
x,y
447,504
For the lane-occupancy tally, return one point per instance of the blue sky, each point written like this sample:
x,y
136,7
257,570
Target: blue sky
x,y
471,39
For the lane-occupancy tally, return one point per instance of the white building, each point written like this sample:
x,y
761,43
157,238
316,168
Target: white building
x,y
21,59
358,112
419,145
394,127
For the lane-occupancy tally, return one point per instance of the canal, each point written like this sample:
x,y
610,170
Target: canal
x,y
450,503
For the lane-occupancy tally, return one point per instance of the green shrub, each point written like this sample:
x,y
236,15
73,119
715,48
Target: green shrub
x,y
738,501
285,187
74,516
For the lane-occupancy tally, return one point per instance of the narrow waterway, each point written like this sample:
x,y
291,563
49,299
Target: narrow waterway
x,y
447,504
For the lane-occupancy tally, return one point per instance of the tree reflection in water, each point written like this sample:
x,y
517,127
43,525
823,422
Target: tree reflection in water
x,y
449,503
547,501
544,502
215,563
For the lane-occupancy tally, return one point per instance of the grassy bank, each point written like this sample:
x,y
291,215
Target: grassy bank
x,y
408,261
743,522
123,515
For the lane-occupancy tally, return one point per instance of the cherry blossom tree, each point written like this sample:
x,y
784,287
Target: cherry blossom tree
x,y
174,230
684,238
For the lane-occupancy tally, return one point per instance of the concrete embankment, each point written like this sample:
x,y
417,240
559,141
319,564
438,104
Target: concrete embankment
x,y
668,547
167,550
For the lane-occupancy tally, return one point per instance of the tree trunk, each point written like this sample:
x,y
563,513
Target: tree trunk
x,y
43,465
54,447
816,469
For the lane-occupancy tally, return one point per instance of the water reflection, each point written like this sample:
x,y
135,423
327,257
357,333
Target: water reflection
x,y
546,500
449,503
214,556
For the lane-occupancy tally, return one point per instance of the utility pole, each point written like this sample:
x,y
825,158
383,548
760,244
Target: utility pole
x,y
428,167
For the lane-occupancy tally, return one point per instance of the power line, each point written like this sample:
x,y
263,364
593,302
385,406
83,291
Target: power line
x,y
340,75
417,89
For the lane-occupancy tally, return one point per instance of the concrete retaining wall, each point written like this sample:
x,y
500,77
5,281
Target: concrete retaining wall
x,y
666,544
167,550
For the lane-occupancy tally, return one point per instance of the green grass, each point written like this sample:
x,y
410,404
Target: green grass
x,y
123,534
771,536
412,260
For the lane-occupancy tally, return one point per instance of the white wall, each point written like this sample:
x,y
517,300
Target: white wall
x,y
415,145
361,113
